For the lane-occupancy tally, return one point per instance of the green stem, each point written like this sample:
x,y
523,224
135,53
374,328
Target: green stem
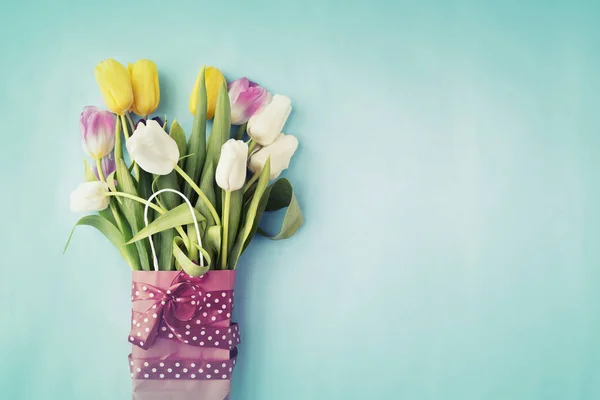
x,y
131,124
226,207
125,126
205,199
252,146
118,144
113,210
100,172
136,168
153,206
117,217
240,132
251,181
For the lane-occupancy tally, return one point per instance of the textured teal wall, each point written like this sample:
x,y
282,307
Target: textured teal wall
x,y
449,172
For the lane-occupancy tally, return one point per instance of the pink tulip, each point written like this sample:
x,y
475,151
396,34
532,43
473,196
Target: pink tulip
x,y
97,132
246,99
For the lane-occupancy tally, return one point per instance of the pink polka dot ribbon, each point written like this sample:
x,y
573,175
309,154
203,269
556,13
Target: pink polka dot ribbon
x,y
184,312
182,369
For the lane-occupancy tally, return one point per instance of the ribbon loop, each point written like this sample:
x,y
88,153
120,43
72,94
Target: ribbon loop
x,y
183,311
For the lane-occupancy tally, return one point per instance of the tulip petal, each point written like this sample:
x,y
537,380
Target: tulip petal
x,y
280,152
266,126
89,197
231,169
247,99
145,85
237,87
115,84
97,132
153,149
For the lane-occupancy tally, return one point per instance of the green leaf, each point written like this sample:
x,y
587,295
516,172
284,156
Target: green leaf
x,y
281,196
111,182
111,233
133,211
197,143
169,201
221,132
211,242
212,238
178,216
178,135
186,264
235,214
250,216
192,251
144,187
208,187
107,214
88,172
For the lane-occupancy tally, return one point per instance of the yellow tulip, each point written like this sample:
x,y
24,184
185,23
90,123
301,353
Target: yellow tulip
x,y
214,80
146,92
115,85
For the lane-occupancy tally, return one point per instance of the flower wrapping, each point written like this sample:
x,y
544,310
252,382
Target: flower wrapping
x,y
184,343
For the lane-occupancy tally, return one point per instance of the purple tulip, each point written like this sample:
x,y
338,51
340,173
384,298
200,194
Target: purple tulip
x,y
246,99
108,165
97,132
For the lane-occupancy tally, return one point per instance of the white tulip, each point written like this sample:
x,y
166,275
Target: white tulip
x,y
231,170
153,149
264,128
281,152
90,196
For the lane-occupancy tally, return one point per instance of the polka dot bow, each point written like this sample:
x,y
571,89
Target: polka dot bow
x,y
184,312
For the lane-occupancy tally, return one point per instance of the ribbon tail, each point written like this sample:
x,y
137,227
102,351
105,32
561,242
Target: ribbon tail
x,y
144,327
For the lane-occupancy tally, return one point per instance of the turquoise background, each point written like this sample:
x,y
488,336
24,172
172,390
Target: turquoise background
x,y
448,172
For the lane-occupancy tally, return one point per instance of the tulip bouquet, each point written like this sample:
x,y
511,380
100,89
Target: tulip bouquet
x,y
181,210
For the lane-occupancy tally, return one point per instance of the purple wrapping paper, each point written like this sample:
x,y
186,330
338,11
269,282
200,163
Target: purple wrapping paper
x,y
168,368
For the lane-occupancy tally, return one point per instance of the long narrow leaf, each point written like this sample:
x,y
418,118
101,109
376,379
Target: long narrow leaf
x,y
169,201
235,214
189,266
144,187
133,211
111,233
221,132
178,216
107,215
207,186
221,129
250,216
281,196
197,144
177,133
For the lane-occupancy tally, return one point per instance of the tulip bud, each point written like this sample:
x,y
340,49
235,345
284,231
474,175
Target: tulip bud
x,y
265,127
90,196
115,84
231,169
153,149
280,152
146,91
97,132
108,165
214,79
246,99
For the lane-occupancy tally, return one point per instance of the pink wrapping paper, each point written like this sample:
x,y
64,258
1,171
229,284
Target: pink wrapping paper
x,y
186,357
